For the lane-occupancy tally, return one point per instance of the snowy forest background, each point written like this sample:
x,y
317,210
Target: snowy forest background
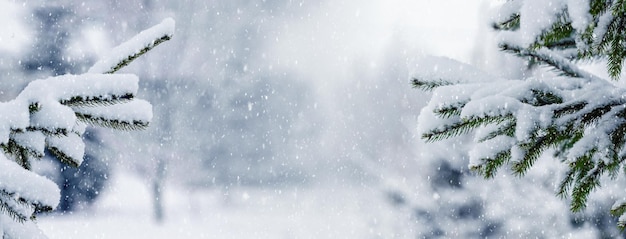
x,y
281,119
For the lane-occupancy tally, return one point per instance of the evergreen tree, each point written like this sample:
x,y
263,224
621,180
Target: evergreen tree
x,y
574,113
51,115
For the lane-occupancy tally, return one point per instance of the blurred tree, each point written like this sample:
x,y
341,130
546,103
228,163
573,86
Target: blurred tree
x,y
52,39
256,115
246,116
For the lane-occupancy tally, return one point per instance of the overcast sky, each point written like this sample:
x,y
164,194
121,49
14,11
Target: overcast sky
x,y
346,29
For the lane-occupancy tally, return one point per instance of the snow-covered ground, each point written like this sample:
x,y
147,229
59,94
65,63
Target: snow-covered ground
x,y
125,211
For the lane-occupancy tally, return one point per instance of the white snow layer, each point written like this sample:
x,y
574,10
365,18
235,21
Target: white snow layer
x,y
32,140
133,46
578,11
489,149
72,145
14,229
538,16
16,117
87,86
535,17
603,25
26,184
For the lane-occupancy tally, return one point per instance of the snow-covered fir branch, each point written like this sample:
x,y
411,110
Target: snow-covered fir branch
x,y
576,114
52,114
132,49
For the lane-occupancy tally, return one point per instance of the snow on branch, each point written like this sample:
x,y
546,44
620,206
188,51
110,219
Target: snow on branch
x,y
132,115
41,120
130,50
579,115
515,121
52,113
551,58
18,185
579,29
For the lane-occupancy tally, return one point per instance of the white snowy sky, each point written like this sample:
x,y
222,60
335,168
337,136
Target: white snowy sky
x,y
343,30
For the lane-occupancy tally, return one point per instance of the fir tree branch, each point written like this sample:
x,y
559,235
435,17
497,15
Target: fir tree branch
x,y
511,24
541,98
491,165
559,36
618,138
561,44
507,128
130,50
22,117
20,153
47,131
63,157
592,116
590,48
463,127
80,101
124,62
619,8
566,183
587,131
429,85
588,179
617,52
569,108
534,147
618,210
598,7
550,58
112,123
7,204
603,40
450,110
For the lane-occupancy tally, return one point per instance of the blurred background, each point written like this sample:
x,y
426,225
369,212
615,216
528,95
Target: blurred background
x,y
281,119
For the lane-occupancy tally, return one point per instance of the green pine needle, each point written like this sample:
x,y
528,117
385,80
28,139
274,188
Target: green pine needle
x,y
507,128
63,157
541,98
510,24
97,100
7,208
429,85
463,127
112,123
491,165
131,58
450,110
619,210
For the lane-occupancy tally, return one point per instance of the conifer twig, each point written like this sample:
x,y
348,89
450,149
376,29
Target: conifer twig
x,y
552,59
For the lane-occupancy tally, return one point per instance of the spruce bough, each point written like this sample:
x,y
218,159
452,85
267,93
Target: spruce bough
x,y
579,116
53,114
